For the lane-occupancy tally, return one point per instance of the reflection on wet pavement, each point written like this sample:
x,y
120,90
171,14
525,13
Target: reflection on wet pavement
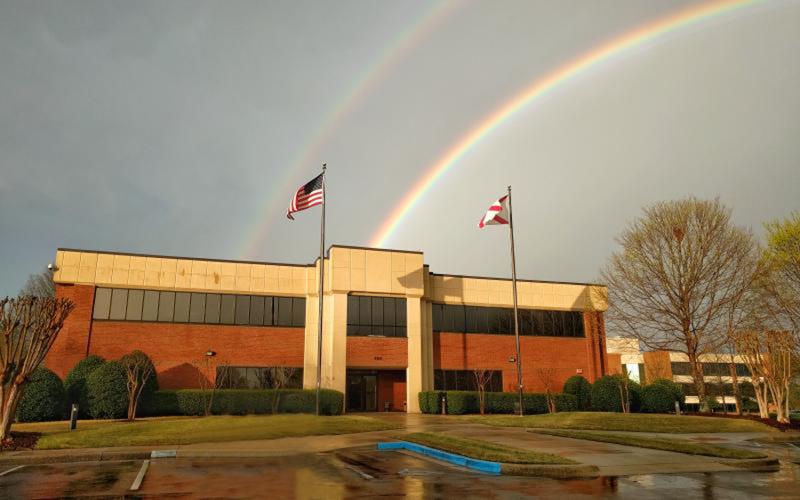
x,y
367,473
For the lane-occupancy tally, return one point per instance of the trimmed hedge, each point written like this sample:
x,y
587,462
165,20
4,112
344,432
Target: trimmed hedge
x,y
606,394
43,398
464,402
581,389
108,391
75,383
242,402
660,396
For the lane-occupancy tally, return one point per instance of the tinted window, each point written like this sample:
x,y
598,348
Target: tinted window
x,y
212,308
227,308
380,316
166,306
102,303
298,311
400,313
119,302
268,311
197,308
256,310
242,309
181,307
134,309
284,311
150,307
437,320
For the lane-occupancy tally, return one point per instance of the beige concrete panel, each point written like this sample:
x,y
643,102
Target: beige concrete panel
x,y
102,275
151,278
416,356
334,358
271,271
242,283
310,346
271,285
284,273
340,257
169,265
86,274
59,258
227,269
152,264
88,259
227,283
198,281
183,267
138,263
72,259
122,262
212,281
378,271
69,274
341,279
199,267
358,258
136,277
105,260
257,284
398,262
243,269
119,276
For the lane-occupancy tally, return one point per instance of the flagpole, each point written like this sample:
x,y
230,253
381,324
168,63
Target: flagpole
x,y
321,288
514,285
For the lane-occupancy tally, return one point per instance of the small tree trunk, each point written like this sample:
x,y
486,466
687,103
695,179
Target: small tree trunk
x,y
737,395
699,381
9,411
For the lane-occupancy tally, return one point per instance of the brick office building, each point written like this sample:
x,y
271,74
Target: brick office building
x,y
391,327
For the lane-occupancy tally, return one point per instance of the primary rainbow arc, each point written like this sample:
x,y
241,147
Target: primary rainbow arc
x,y
540,88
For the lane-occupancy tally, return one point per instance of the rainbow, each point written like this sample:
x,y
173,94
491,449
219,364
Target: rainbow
x,y
538,89
405,42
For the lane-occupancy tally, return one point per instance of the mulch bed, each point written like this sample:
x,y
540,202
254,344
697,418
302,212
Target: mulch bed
x,y
768,421
20,441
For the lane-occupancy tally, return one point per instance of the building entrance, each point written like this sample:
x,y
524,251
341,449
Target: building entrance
x,y
376,390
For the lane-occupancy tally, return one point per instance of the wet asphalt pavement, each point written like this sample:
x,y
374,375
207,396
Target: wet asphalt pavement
x,y
366,473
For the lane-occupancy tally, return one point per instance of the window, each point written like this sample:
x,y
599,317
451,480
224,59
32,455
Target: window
x,y
150,309
464,380
681,368
102,303
119,300
121,304
259,377
181,307
134,310
500,320
197,308
376,316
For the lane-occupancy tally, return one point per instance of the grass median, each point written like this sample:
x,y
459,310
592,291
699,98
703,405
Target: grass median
x,y
654,443
188,430
484,450
631,422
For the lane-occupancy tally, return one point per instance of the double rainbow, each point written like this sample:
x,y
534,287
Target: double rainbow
x,y
539,89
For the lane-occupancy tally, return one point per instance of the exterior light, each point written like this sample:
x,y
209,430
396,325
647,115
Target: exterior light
x,y
210,353
512,359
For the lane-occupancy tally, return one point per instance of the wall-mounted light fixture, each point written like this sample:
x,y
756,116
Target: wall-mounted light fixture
x,y
512,359
210,353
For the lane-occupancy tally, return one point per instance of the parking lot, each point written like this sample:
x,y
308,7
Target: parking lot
x,y
361,473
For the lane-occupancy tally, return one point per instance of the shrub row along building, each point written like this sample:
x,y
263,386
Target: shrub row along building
x,y
391,327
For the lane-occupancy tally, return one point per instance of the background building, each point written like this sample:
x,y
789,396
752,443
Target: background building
x,y
391,327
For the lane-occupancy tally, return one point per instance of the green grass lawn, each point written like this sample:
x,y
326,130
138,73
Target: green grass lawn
x,y
187,430
636,422
655,443
483,450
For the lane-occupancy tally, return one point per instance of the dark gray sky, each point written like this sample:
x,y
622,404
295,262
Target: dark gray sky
x,y
179,128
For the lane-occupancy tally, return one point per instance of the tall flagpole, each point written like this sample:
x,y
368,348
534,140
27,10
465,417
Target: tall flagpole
x,y
321,287
516,314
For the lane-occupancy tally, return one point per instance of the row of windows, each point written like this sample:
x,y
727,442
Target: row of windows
x,y
121,304
259,377
376,316
711,369
465,380
500,320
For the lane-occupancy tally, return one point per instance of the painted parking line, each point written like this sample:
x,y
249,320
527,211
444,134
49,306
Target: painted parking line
x,y
9,471
137,483
360,472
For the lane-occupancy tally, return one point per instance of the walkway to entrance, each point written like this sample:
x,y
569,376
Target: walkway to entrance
x,y
376,390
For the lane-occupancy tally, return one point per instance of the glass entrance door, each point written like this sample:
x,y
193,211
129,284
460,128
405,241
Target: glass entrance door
x,y
362,392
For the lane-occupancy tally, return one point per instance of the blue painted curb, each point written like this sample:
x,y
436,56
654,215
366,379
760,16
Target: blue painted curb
x,y
484,466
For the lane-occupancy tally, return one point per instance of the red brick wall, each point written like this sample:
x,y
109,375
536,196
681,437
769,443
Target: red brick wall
x,y
460,351
377,352
172,347
70,345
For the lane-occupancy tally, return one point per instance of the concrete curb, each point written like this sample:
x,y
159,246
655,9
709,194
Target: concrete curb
x,y
753,464
76,457
558,471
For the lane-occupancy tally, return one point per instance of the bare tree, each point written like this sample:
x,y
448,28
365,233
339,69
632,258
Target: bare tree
x,y
138,370
210,380
483,378
623,383
768,355
547,378
279,377
682,266
39,285
737,392
28,326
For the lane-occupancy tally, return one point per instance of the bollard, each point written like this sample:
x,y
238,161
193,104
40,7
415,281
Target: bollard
x,y
677,408
73,417
444,404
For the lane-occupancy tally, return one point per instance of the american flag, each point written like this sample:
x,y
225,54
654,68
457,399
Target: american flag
x,y
309,195
497,213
